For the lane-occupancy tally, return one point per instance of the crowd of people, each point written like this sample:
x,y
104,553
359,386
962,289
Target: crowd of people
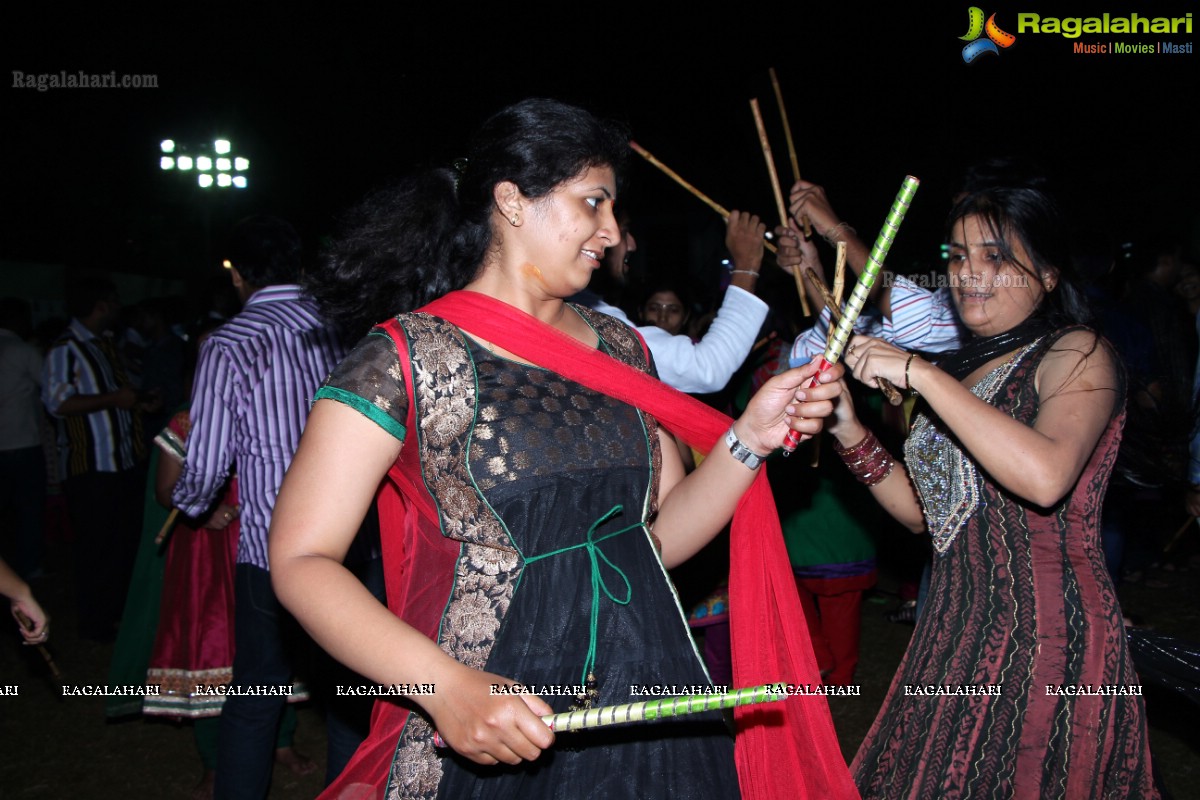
x,y
457,452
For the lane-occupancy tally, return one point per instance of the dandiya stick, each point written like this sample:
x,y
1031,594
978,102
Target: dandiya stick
x,y
839,287
27,624
779,204
166,528
675,176
651,710
887,387
839,275
787,135
845,326
770,159
1175,537
832,304
787,129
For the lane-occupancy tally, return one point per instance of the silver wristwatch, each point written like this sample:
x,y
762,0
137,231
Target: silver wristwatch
x,y
742,453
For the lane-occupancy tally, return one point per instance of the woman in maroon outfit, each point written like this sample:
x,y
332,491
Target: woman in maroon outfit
x,y
1017,681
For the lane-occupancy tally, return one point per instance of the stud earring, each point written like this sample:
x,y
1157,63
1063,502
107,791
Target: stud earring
x,y
515,220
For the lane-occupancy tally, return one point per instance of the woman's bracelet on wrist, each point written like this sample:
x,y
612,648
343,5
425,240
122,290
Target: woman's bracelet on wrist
x,y
869,461
740,452
907,377
751,273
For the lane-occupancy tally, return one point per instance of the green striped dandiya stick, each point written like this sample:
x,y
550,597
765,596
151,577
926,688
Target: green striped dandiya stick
x,y
883,243
650,710
845,326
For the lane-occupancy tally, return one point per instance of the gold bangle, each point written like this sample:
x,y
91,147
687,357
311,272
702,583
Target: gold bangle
x,y
907,380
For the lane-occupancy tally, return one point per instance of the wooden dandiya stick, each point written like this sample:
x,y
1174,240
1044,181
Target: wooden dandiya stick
x,y
787,135
675,176
1175,537
770,159
858,298
889,389
832,304
27,624
651,710
839,288
166,528
787,129
779,204
839,276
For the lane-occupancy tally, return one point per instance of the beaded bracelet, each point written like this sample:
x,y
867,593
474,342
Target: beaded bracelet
x,y
869,461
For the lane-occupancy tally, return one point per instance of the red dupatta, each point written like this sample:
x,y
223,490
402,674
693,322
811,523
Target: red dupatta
x,y
788,747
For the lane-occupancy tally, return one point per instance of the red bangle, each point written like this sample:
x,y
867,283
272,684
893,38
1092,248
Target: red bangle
x,y
869,461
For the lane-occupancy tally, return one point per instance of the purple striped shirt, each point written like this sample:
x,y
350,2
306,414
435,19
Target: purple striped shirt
x,y
255,381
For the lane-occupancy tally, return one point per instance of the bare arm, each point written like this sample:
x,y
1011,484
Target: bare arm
x,y
895,493
341,461
1077,386
126,398
693,509
744,240
22,601
165,478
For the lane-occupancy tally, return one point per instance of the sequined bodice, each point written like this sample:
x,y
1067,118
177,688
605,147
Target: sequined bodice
x,y
946,479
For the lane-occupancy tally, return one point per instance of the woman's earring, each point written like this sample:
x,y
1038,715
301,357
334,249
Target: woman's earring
x,y
515,220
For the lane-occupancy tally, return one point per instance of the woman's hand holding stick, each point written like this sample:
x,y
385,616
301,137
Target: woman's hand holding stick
x,y
28,625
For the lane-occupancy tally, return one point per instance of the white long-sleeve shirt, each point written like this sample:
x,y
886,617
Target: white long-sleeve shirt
x,y
707,365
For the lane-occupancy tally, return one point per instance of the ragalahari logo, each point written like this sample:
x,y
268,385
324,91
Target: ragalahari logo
x,y
976,27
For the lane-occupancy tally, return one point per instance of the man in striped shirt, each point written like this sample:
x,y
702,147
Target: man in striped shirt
x,y
254,383
84,385
908,315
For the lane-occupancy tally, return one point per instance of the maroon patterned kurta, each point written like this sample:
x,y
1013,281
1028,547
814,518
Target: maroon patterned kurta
x,y
1021,606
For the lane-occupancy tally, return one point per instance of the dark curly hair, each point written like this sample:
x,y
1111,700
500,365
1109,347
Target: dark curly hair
x,y
408,245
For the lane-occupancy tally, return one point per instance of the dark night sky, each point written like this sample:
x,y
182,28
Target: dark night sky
x,y
330,104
